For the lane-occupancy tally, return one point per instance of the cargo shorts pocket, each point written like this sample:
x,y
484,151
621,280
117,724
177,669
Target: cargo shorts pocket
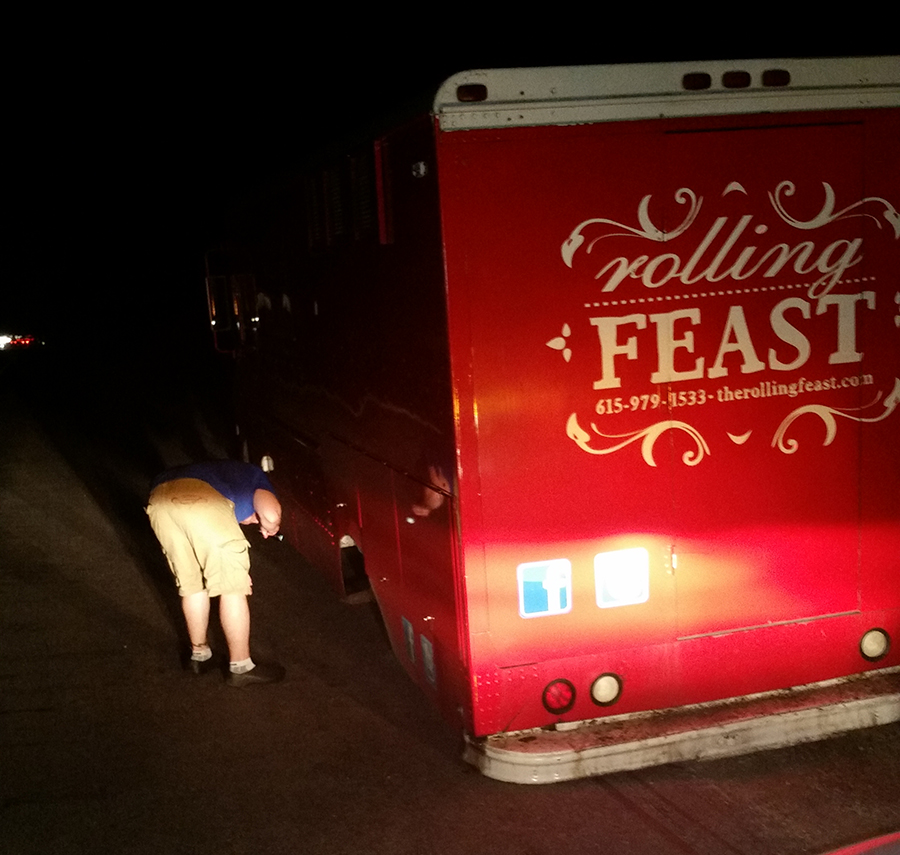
x,y
228,570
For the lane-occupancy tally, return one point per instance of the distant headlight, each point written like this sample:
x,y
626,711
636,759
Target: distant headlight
x,y
16,342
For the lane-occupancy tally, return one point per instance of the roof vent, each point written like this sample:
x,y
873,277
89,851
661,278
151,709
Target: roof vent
x,y
736,79
471,92
776,77
696,80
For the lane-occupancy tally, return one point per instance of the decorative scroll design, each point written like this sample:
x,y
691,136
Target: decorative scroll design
x,y
647,230
828,215
827,414
649,435
559,343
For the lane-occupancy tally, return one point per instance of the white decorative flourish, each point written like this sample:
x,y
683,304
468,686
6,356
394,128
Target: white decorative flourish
x,y
739,440
559,343
735,186
649,435
827,414
647,229
828,214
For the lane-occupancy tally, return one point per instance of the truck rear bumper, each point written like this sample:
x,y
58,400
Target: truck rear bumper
x,y
701,732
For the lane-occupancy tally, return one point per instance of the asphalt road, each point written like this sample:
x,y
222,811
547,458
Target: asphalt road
x,y
107,746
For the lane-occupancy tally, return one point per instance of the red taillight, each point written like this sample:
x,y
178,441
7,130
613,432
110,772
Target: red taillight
x,y
559,697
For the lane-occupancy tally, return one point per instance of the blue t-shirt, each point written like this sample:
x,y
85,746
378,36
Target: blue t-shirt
x,y
232,478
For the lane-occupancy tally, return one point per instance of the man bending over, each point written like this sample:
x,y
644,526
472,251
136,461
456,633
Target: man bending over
x,y
196,512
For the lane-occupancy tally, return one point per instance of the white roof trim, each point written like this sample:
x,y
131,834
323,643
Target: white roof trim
x,y
597,93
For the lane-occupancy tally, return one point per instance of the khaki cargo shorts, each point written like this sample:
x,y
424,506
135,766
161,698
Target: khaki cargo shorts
x,y
200,537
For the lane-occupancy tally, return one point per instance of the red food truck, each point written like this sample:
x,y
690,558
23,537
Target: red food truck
x,y
590,376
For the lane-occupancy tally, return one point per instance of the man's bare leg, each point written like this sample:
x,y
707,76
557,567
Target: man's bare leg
x,y
196,616
234,613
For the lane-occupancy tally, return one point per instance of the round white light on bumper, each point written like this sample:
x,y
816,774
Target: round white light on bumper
x,y
606,689
874,645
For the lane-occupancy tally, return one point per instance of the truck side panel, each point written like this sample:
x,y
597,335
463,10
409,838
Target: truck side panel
x,y
346,386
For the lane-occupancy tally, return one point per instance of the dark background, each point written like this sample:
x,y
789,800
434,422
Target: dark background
x,y
125,139
129,136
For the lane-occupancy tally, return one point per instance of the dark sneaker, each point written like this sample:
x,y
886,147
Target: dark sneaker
x,y
207,666
258,674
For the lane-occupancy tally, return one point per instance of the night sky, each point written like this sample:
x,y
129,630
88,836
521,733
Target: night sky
x,y
128,138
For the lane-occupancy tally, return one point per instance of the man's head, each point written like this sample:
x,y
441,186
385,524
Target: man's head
x,y
266,512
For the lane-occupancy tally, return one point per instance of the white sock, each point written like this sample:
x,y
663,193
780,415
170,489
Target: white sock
x,y
201,655
242,667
